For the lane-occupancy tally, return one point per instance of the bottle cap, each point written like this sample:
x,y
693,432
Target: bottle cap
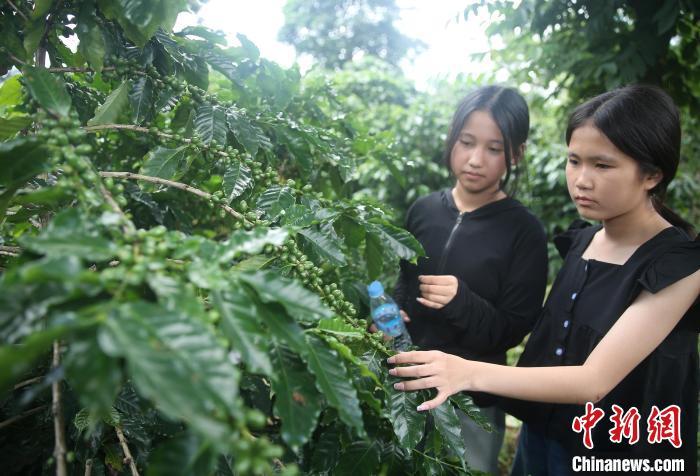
x,y
375,289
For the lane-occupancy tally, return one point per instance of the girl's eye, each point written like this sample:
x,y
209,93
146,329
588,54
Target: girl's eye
x,y
495,151
466,142
603,166
573,161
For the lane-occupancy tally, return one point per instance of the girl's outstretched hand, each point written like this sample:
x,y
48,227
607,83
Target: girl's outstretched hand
x,y
430,369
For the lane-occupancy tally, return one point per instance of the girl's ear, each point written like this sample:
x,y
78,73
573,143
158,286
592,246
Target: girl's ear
x,y
652,180
518,155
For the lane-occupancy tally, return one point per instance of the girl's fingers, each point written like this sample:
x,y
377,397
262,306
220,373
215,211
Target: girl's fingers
x,y
441,279
412,371
418,384
405,316
434,403
430,304
436,289
413,357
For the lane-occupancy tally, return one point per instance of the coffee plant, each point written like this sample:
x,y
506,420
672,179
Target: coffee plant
x,y
182,269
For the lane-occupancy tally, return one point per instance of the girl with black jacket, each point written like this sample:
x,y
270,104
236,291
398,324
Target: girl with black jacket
x,y
481,284
610,371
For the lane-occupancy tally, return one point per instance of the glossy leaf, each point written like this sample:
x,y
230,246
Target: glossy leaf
x,y
324,245
333,381
92,43
275,200
68,234
297,402
399,242
299,302
166,163
141,99
108,111
141,18
408,423
237,178
448,425
185,454
466,405
177,363
339,327
250,136
373,255
251,242
359,457
241,325
210,124
48,90
9,126
20,160
10,92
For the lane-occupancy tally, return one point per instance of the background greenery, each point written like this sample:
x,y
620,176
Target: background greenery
x,y
207,315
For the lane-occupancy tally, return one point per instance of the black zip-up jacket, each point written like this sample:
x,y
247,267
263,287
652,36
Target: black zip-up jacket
x,y
498,253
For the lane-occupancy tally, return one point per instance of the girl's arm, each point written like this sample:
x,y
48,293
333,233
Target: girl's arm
x,y
640,329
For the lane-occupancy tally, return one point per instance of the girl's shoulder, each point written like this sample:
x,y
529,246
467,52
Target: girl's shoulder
x,y
578,235
671,256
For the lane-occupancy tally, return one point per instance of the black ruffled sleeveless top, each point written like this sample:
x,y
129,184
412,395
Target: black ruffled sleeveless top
x,y
586,300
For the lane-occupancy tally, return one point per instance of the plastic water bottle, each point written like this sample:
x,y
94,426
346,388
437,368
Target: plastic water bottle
x,y
386,315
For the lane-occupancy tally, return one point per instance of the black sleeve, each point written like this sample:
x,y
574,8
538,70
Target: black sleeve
x,y
491,328
406,269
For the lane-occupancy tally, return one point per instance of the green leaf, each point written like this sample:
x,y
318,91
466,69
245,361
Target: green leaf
x,y
339,327
16,360
297,402
408,423
141,18
241,325
107,112
33,32
166,163
299,302
373,256
275,200
251,242
41,8
216,37
94,376
398,241
324,246
359,457
9,126
465,403
21,159
333,381
237,178
185,454
48,90
326,450
11,92
92,43
210,124
70,234
250,136
141,99
177,363
448,425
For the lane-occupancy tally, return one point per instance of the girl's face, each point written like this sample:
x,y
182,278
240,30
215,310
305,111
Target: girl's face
x,y
478,157
603,182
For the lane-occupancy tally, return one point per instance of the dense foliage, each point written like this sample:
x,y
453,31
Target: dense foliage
x,y
183,266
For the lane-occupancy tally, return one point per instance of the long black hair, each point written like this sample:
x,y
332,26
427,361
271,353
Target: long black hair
x,y
510,113
644,123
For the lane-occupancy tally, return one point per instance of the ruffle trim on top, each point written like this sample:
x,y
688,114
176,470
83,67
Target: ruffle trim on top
x,y
672,264
564,240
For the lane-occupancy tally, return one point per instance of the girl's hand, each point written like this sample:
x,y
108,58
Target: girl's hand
x,y
437,291
431,369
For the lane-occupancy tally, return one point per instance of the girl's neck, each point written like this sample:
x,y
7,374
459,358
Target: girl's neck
x,y
634,227
468,202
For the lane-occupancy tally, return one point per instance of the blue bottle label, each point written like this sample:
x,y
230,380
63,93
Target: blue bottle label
x,y
388,319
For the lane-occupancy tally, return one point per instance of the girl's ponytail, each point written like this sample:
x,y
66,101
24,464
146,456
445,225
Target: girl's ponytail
x,y
672,217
